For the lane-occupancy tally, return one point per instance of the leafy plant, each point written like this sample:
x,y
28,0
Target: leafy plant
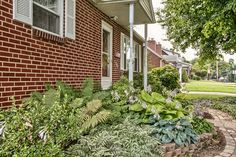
x,y
123,92
179,131
201,126
125,139
45,124
185,76
87,89
154,106
164,77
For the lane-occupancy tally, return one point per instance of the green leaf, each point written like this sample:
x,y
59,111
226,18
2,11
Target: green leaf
x,y
146,97
136,107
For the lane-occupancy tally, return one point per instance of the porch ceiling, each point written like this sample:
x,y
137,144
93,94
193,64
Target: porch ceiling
x,y
143,10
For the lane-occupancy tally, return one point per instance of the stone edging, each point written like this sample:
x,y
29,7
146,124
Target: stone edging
x,y
230,144
172,150
219,121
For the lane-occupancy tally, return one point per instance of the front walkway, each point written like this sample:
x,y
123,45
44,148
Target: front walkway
x,y
228,126
213,93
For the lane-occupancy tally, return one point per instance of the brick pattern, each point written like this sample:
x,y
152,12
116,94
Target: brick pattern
x,y
173,150
227,125
153,61
28,61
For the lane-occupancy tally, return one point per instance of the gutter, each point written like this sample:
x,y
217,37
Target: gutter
x,y
112,1
152,18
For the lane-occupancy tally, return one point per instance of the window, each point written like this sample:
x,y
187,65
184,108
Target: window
x,y
47,15
125,52
105,54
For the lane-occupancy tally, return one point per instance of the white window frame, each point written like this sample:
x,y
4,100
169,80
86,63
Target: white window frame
x,y
60,14
106,82
122,54
123,36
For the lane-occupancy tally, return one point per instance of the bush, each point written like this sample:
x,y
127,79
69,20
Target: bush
x,y
197,78
126,139
179,131
47,123
185,76
138,79
202,74
164,77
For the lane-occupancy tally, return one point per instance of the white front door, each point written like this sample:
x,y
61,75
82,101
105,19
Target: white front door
x,y
106,61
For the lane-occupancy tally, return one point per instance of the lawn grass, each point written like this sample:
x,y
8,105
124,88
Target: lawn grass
x,y
200,96
210,86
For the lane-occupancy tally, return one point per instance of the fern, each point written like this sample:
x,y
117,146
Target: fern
x,y
90,115
93,121
87,89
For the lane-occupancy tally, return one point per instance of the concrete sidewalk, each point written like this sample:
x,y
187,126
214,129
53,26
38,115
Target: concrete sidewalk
x,y
212,93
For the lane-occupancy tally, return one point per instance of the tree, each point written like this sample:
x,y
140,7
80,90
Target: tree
x,y
208,26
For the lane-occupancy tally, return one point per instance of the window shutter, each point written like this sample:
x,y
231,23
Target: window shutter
x,y
70,18
22,11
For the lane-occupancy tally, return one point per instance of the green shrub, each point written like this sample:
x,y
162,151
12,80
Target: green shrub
x,y
201,126
201,73
185,76
126,139
164,77
179,131
197,78
47,123
138,81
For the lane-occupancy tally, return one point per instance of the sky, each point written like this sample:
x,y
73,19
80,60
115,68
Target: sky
x,y
159,34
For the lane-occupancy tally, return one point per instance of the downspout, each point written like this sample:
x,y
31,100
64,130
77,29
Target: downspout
x,y
145,68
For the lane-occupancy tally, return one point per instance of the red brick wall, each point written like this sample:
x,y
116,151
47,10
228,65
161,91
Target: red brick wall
x,y
153,61
28,61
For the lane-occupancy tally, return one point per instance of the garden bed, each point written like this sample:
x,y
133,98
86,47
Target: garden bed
x,y
209,144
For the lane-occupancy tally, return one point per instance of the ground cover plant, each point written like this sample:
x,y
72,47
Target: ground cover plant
x,y
125,139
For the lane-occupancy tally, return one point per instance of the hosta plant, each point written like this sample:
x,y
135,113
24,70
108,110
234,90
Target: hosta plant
x,y
125,139
179,131
155,106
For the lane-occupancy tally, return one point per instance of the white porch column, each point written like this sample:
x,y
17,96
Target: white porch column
x,y
180,73
189,71
131,22
145,68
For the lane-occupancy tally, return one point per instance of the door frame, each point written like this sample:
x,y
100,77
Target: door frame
x,y
106,82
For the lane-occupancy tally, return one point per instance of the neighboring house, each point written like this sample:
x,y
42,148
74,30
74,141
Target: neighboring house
x,y
158,57
155,57
44,41
176,60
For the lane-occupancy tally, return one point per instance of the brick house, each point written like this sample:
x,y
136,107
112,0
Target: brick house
x,y
158,57
155,55
42,41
